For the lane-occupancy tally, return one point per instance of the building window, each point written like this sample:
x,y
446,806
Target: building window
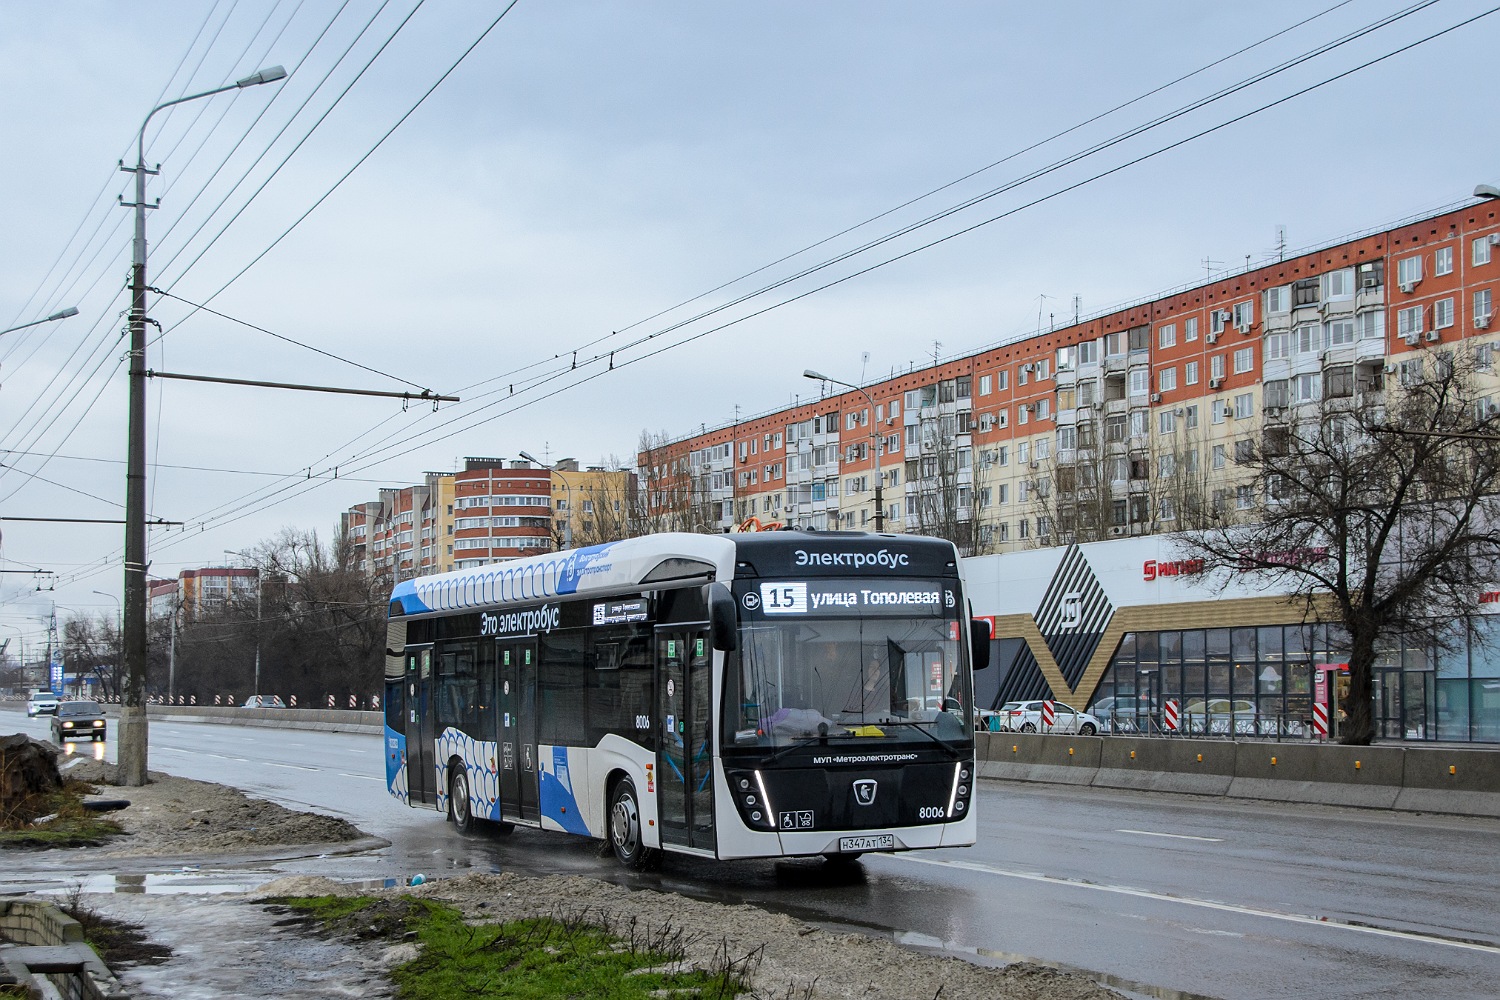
x,y
1190,373
1339,382
1442,313
1166,422
1338,284
984,384
1190,330
1482,307
1139,338
1340,333
1167,336
1190,417
1218,459
1244,314
1244,497
1309,338
1442,261
1216,366
1276,394
1166,380
1480,251
1244,360
1244,406
1409,322
1043,408
1408,271
1278,346
1278,300
1371,325
1140,381
1308,388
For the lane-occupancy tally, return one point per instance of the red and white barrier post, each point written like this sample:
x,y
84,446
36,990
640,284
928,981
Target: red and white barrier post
x,y
1320,720
1049,715
1170,717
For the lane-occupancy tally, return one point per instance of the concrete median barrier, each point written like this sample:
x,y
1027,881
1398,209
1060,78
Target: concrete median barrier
x,y
324,720
1060,760
1451,780
1367,777
1198,767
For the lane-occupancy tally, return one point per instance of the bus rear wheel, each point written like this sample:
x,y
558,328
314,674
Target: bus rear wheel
x,y
625,834
458,802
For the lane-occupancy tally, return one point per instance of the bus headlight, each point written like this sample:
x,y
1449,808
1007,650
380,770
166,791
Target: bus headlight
x,y
958,799
751,799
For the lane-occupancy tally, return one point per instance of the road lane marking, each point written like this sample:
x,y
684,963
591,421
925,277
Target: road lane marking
x,y
1174,836
299,767
367,777
1207,904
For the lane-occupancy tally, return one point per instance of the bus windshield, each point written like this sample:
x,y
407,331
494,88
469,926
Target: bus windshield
x,y
847,678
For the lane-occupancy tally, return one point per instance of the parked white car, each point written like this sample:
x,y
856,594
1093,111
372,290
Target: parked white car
x,y
1026,717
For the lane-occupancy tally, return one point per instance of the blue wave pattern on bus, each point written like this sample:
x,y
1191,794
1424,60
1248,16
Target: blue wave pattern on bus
x,y
557,799
519,580
395,765
479,762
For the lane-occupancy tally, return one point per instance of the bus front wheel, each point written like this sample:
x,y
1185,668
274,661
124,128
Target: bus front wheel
x,y
458,801
625,834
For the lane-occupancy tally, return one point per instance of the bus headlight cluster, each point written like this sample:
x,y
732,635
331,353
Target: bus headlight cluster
x,y
749,791
963,786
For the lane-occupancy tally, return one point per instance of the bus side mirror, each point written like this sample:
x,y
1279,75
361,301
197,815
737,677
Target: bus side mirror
x,y
723,618
979,643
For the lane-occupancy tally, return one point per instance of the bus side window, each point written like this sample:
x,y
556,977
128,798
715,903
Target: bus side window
x,y
619,687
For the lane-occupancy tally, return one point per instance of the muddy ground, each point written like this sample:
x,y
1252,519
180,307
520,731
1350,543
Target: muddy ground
x,y
224,944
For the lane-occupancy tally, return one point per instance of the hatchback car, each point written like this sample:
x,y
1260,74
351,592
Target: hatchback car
x,y
78,720
1026,717
41,703
264,701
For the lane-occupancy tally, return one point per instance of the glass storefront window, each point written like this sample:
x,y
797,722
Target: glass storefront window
x,y
1269,642
1484,649
1192,647
1170,650
1218,645
1484,709
1453,710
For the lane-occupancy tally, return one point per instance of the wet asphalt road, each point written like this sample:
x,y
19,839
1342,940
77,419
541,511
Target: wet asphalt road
x,y
1175,895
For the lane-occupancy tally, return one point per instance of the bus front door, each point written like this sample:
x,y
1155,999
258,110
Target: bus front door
x,y
684,755
517,705
420,735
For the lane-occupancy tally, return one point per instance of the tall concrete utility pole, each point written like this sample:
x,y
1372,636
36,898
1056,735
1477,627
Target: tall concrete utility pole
x,y
131,731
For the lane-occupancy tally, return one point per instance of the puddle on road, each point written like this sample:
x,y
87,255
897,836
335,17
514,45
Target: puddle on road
x,y
244,955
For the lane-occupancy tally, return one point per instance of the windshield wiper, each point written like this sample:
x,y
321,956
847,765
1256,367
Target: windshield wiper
x,y
805,741
948,748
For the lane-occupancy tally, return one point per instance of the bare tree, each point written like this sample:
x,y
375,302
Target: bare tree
x,y
91,644
607,505
1378,506
668,496
945,491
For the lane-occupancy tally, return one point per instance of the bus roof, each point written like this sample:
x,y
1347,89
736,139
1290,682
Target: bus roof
x,y
631,564
598,569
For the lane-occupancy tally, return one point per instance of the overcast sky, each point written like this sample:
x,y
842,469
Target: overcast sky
x,y
589,166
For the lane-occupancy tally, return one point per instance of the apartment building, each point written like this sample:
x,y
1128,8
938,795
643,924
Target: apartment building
x,y
204,591
1111,426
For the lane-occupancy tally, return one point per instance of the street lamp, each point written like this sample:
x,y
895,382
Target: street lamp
x,y
875,447
131,743
568,499
63,314
233,552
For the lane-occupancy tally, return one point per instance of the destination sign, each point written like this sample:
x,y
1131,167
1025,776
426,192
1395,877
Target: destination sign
x,y
620,612
826,598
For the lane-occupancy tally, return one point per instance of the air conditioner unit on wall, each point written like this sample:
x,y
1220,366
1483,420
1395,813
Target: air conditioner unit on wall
x,y
1433,336
1407,286
1212,338
1156,397
1495,239
1369,281
1482,321
1214,383
1412,338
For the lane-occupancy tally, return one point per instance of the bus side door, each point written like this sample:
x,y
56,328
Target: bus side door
x,y
517,705
684,769
421,737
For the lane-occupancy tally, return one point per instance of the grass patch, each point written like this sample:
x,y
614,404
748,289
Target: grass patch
x,y
70,825
534,959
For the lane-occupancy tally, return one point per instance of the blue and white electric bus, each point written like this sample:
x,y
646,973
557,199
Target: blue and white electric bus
x,y
733,696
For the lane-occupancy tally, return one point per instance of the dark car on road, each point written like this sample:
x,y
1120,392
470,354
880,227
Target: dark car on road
x,y
78,720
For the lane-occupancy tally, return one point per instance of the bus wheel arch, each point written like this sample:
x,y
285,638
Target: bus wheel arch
x,y
625,829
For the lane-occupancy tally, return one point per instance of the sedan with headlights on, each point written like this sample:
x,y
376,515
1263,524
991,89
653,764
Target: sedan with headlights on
x,y
78,720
